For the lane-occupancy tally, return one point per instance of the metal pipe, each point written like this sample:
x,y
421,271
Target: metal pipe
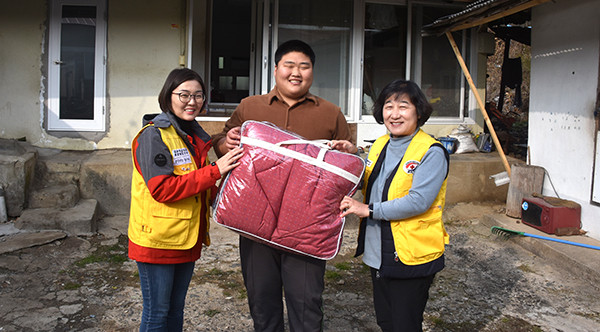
x,y
3,215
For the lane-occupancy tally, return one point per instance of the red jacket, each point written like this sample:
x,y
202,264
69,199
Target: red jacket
x,y
164,186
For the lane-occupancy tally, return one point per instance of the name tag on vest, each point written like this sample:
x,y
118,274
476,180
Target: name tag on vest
x,y
181,157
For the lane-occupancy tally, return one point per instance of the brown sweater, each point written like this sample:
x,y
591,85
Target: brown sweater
x,y
312,118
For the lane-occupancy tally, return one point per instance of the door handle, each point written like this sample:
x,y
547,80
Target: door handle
x,y
58,62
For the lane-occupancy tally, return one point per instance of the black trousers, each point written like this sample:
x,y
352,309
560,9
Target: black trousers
x,y
266,271
400,303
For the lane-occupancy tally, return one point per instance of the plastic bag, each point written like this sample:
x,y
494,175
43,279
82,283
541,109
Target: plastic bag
x,y
464,140
287,190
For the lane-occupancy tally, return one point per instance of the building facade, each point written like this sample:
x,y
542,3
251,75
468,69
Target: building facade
x,y
80,74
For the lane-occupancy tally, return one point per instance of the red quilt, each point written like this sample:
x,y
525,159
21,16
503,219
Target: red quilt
x,y
286,191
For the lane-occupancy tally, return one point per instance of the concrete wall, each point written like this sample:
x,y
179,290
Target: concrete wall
x,y
143,46
564,82
469,178
22,27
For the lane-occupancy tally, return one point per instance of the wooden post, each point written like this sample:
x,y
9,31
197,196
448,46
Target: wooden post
x,y
479,102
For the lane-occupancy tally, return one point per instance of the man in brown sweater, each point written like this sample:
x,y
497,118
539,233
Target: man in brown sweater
x,y
267,270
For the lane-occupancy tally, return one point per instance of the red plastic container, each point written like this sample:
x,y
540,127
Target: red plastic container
x,y
551,215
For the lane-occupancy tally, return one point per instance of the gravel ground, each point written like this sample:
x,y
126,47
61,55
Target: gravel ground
x,y
489,284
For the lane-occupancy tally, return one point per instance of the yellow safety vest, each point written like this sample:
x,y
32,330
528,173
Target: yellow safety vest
x,y
172,225
419,239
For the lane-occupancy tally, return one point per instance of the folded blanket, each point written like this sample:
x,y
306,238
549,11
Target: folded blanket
x,y
287,191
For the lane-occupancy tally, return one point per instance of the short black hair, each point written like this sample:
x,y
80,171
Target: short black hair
x,y
398,88
174,79
294,45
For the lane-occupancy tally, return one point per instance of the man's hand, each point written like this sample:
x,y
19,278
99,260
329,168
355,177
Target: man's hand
x,y
232,140
227,143
343,146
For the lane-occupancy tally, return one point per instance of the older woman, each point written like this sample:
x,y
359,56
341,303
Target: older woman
x,y
402,237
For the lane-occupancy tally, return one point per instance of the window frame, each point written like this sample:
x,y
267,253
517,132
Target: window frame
x,y
267,35
54,122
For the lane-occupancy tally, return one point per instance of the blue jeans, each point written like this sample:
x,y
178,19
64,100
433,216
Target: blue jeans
x,y
164,287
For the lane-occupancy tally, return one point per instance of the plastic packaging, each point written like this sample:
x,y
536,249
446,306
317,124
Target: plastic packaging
x,y
484,142
287,190
464,139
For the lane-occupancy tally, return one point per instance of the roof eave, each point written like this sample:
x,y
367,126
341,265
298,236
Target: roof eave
x,y
477,14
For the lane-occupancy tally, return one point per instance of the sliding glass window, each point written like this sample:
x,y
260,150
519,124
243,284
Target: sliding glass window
x,y
384,49
434,64
326,26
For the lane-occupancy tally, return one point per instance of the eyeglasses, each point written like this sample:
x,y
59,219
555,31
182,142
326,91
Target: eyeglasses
x,y
185,97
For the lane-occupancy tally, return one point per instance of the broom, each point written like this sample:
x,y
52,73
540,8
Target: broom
x,y
506,233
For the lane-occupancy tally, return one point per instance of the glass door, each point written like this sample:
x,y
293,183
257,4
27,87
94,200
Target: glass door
x,y
238,52
230,54
76,77
244,37
262,67
385,49
435,67
327,27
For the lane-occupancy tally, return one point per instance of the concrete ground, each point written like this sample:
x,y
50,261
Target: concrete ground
x,y
54,282
583,261
46,284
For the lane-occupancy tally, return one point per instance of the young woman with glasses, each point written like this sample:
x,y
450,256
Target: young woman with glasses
x,y
171,190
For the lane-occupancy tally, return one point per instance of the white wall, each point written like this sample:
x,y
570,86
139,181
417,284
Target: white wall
x,y
20,67
564,83
143,46
144,43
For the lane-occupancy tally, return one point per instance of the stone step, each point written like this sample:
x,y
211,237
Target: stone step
x,y
58,167
106,177
17,167
29,239
57,196
78,220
